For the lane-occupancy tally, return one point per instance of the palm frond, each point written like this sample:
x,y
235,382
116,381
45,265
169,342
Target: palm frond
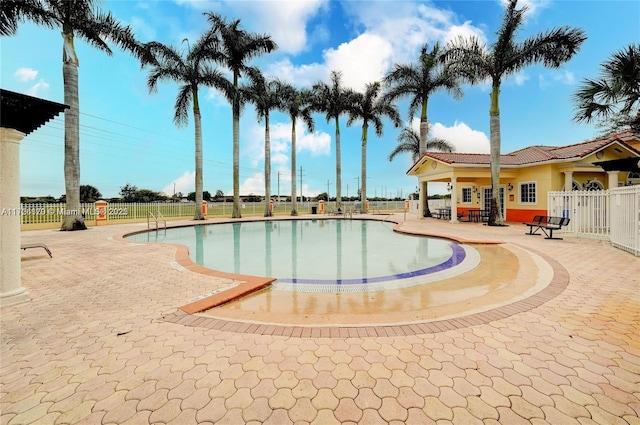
x,y
551,48
419,81
616,95
409,142
183,100
13,12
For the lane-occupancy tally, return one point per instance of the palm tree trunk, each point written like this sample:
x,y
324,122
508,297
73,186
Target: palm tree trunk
x,y
267,167
427,211
198,129
363,158
294,204
424,132
73,219
338,167
236,149
424,128
495,215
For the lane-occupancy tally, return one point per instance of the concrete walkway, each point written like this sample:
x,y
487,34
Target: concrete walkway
x,y
94,346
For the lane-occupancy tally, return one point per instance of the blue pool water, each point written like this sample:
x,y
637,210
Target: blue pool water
x,y
314,252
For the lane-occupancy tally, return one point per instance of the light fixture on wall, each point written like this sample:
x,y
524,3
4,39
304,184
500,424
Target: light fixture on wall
x,y
475,189
585,184
449,187
509,187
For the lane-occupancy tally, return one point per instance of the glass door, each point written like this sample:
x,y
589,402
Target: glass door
x,y
486,200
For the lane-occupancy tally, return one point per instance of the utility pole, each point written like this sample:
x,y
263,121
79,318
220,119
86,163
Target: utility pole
x,y
278,186
358,192
328,190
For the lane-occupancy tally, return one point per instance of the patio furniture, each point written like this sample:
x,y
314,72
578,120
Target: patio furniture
x,y
36,245
547,225
444,213
535,224
474,215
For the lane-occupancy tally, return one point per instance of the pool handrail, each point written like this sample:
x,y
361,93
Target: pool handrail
x,y
156,216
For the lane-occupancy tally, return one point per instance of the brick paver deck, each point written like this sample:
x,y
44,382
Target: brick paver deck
x,y
96,345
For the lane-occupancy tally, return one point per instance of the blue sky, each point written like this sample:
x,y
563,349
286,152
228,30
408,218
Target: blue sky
x,y
127,135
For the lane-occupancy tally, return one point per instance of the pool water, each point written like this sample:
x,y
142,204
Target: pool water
x,y
319,255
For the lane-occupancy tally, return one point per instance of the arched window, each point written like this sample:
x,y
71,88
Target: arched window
x,y
574,186
633,177
593,185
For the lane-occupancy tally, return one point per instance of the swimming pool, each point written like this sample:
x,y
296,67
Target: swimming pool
x,y
323,255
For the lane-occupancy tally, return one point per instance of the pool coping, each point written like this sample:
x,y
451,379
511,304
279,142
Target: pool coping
x,y
187,314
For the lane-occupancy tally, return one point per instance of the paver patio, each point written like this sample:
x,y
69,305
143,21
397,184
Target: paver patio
x,y
94,346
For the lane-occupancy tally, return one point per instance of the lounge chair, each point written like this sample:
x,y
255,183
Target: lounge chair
x,y
36,245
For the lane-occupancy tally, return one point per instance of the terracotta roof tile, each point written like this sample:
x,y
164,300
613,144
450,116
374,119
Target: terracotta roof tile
x,y
535,154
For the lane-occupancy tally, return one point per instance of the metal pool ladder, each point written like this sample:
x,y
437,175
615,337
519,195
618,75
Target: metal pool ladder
x,y
158,216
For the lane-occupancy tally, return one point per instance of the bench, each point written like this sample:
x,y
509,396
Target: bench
x,y
546,224
36,245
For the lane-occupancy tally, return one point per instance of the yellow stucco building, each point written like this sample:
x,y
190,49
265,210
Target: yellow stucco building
x,y
526,175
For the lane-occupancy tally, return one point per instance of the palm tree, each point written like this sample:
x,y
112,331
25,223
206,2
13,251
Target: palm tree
x,y
297,104
409,142
191,72
13,11
370,107
475,62
83,19
263,94
419,82
615,97
236,47
334,100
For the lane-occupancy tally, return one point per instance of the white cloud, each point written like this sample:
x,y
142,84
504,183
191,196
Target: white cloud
x,y
521,78
198,4
38,88
142,29
392,32
534,6
363,60
253,185
317,143
185,184
465,139
216,98
563,77
300,76
25,74
285,21
465,30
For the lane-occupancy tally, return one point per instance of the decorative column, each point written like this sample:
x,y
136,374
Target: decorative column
x,y
421,199
613,179
454,201
568,181
11,290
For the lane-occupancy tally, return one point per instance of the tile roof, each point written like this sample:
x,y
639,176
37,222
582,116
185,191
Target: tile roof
x,y
537,154
26,113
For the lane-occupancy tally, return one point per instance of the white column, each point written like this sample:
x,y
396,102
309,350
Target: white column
x,y
11,290
454,201
421,198
568,181
613,179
